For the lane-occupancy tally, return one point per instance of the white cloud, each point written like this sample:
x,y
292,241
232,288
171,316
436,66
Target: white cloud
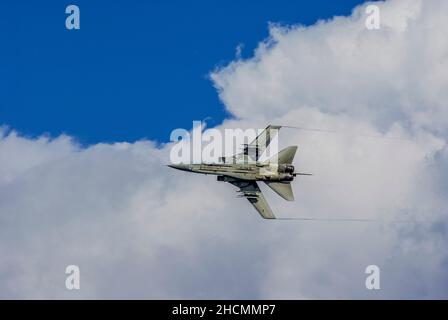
x,y
138,229
397,73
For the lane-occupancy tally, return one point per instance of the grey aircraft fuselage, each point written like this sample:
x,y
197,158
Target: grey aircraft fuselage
x,y
242,171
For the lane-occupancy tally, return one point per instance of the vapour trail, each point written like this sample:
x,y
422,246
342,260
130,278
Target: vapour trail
x,y
350,220
338,132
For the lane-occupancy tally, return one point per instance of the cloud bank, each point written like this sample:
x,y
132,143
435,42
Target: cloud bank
x,y
138,229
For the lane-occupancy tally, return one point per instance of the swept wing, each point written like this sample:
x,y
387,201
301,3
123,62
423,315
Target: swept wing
x,y
251,191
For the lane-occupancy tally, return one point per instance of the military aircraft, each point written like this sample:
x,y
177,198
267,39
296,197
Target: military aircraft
x,y
243,170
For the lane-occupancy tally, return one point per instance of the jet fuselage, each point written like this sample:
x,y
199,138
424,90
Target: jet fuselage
x,y
244,171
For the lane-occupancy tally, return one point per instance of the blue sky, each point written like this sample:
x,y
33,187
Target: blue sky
x,y
135,69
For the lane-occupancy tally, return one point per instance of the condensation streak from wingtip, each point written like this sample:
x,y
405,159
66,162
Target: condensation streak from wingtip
x,y
350,220
349,134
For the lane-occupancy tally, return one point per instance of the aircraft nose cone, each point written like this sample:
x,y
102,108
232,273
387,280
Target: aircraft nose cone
x,y
183,167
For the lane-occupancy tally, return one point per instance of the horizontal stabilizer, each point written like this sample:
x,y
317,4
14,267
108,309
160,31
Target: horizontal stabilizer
x,y
283,189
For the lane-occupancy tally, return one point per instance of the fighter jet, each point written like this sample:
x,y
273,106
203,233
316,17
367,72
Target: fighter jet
x,y
244,170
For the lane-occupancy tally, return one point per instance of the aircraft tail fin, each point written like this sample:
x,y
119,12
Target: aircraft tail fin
x,y
283,189
286,156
